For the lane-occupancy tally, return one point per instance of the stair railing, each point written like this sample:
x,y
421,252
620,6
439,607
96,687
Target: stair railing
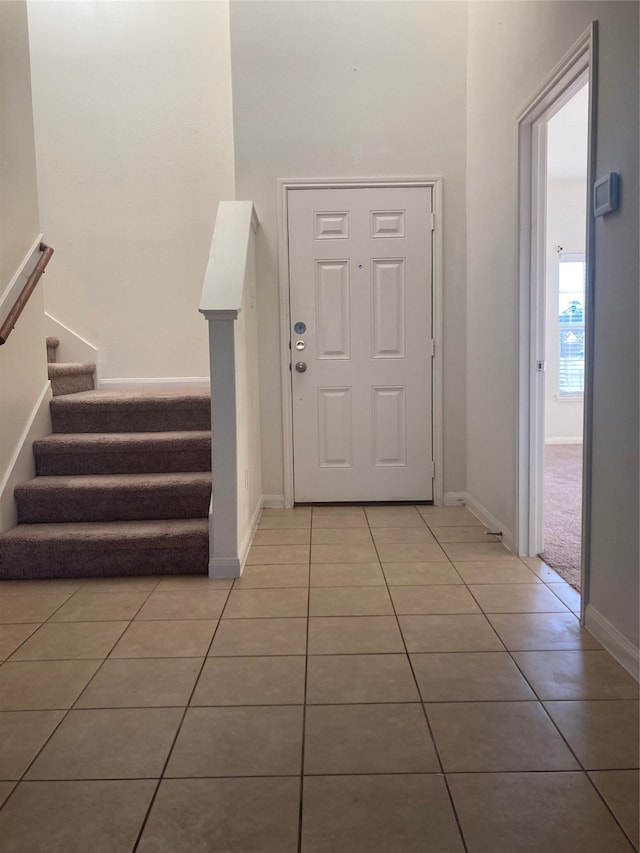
x,y
23,297
228,303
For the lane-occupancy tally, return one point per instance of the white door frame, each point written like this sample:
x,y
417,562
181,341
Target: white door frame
x,y
577,67
285,185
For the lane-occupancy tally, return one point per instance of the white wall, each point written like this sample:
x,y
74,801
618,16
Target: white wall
x,y
19,224
132,105
513,47
351,89
23,367
615,506
566,227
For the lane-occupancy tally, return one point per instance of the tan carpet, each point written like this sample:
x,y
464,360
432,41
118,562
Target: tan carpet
x,y
563,510
122,487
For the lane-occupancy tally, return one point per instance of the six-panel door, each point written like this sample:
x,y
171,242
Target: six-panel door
x,y
361,286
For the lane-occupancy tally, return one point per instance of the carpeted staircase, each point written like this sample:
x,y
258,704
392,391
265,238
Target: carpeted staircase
x,y
70,377
122,487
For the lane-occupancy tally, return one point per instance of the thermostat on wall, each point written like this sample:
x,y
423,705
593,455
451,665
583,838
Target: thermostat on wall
x,y
606,194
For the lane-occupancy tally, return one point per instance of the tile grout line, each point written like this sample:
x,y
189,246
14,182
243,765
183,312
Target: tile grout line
x,y
541,703
68,710
304,706
424,709
581,768
206,657
187,705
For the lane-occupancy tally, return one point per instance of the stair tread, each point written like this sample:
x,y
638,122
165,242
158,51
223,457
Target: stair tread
x,y
100,398
70,368
115,481
155,532
73,439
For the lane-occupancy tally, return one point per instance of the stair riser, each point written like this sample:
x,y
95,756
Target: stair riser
x,y
53,560
123,420
134,462
112,505
71,384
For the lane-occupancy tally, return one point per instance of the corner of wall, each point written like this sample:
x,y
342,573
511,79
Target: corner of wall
x,y
618,646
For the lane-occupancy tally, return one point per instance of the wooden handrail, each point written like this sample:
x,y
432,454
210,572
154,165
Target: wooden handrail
x,y
25,293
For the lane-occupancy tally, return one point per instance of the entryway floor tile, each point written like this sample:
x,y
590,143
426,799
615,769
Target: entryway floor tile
x,y
368,739
74,817
360,689
247,741
258,815
497,736
353,635
378,814
531,812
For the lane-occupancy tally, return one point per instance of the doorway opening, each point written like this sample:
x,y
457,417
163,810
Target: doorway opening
x,y
564,335
555,309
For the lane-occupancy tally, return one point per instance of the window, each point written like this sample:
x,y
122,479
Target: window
x,y
571,283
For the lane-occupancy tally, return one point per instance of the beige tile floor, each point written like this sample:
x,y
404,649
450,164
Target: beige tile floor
x,y
380,680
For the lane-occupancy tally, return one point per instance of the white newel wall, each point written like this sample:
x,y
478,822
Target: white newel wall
x,y
229,304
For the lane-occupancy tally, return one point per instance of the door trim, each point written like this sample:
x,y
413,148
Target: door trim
x,y
287,185
577,67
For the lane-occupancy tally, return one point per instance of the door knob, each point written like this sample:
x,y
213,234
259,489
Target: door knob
x,y
301,366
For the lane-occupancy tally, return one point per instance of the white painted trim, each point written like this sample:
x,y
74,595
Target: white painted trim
x,y
578,66
24,270
285,353
437,321
154,383
21,466
73,347
455,498
491,522
55,325
618,646
284,186
246,543
273,502
225,275
223,567
577,439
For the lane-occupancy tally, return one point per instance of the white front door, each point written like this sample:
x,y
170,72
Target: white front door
x,y
360,276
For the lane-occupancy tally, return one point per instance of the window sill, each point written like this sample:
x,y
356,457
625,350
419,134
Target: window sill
x,y
570,398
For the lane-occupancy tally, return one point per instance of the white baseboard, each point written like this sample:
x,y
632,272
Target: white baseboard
x,y
21,466
618,646
224,567
454,498
491,522
273,501
146,383
577,439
